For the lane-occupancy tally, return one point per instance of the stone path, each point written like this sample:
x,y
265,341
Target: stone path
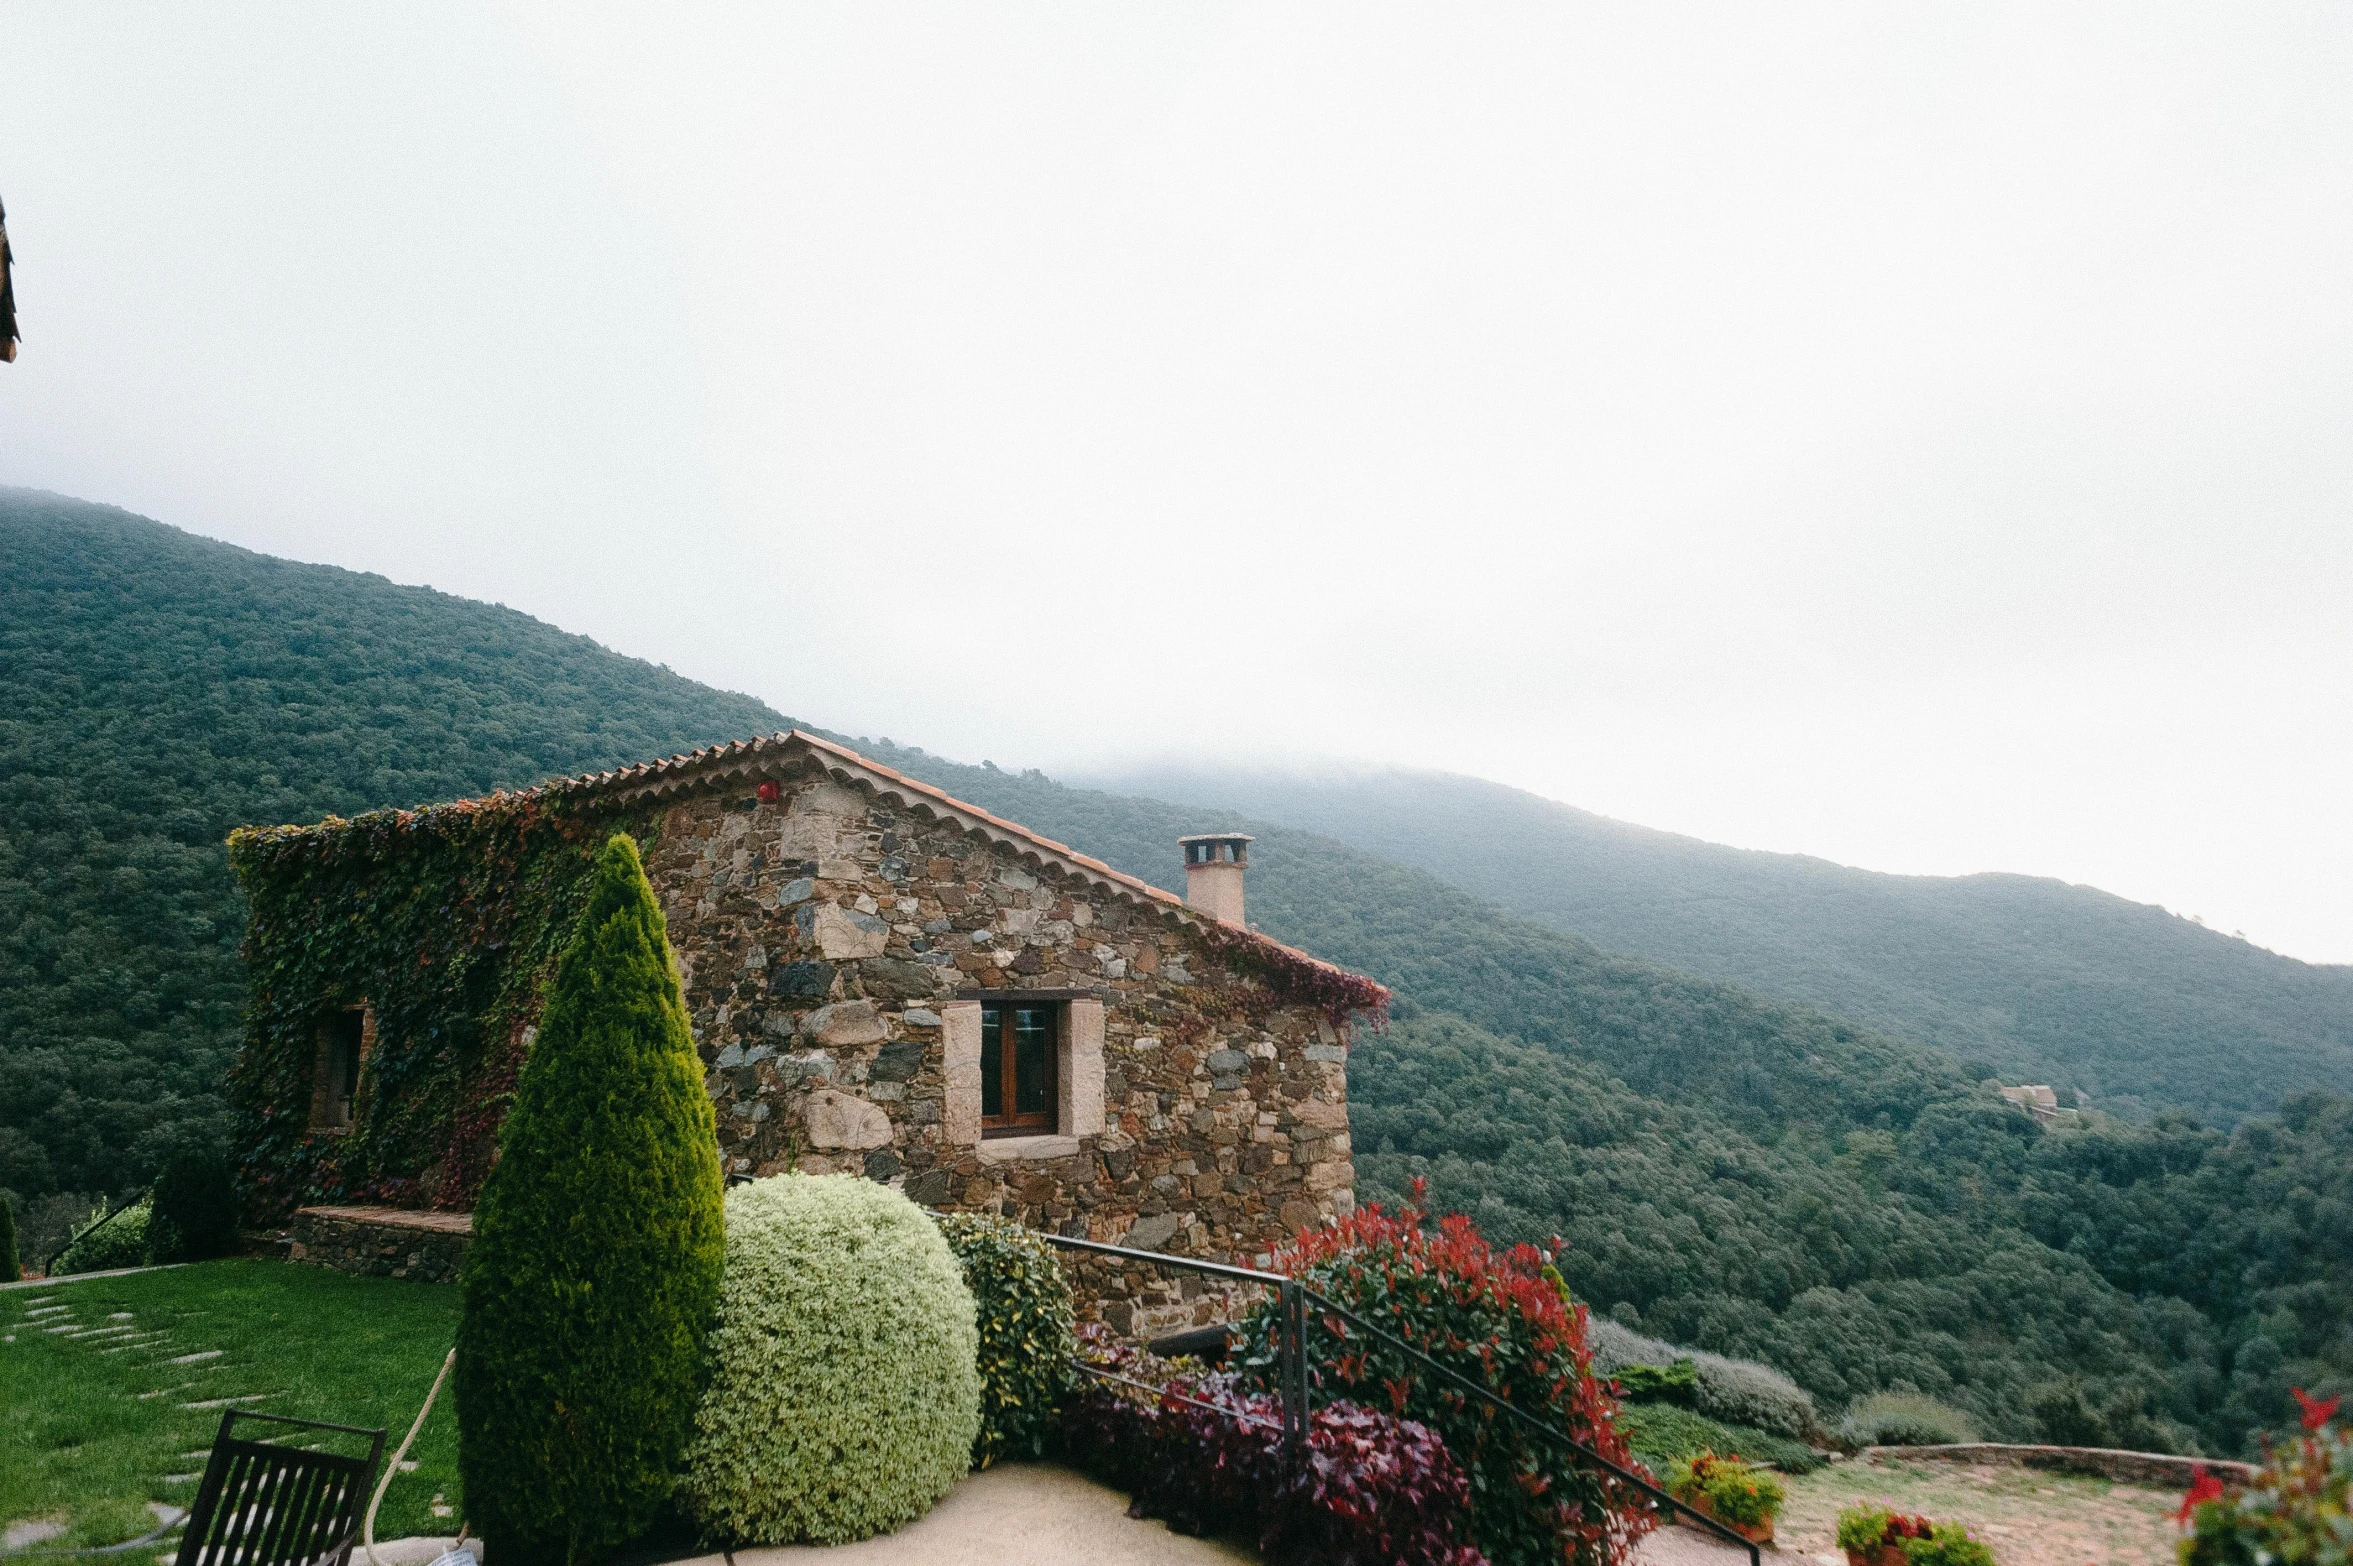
x,y
1017,1514
85,1277
1689,1547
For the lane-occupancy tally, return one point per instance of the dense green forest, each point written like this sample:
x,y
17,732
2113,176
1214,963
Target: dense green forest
x,y
162,689
1739,1172
2020,977
1759,1178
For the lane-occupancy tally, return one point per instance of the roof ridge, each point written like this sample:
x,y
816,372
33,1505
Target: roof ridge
x,y
683,767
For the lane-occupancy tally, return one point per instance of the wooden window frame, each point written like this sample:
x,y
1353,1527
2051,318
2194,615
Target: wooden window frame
x,y
331,1110
1015,1123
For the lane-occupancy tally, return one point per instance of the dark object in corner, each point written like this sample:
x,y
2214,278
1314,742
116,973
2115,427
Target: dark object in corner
x,y
195,1213
7,295
262,1504
1207,1344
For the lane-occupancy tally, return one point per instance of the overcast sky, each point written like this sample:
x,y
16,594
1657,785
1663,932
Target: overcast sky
x,y
1919,436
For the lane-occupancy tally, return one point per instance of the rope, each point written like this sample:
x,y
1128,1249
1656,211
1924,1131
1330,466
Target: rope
x,y
368,1529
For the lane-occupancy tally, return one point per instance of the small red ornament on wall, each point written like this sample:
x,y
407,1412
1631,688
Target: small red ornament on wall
x,y
768,793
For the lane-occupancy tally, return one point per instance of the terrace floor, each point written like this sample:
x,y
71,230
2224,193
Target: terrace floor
x,y
1017,1514
2028,1517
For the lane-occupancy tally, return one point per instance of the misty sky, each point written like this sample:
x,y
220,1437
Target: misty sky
x,y
1919,436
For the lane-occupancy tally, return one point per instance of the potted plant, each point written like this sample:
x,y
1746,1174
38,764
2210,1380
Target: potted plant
x,y
1742,1498
1875,1537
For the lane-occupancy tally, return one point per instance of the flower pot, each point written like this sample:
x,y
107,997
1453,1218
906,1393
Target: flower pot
x,y
1885,1555
1760,1532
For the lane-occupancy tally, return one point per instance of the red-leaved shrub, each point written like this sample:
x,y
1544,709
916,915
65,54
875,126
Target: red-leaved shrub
x,y
1373,1490
2294,1510
1501,1320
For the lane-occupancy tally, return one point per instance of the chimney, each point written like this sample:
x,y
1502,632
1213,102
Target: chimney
x,y
1214,862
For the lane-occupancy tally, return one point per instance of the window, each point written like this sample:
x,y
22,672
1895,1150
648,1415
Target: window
x,y
1024,1072
1018,1046
342,1040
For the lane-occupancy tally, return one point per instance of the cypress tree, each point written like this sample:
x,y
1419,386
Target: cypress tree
x,y
10,1268
593,1275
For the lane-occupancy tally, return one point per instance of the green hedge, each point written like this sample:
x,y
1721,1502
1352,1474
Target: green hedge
x,y
1022,1300
1663,1435
107,1243
195,1206
594,1271
845,1396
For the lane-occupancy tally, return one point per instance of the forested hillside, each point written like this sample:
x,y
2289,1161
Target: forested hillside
x,y
1759,1178
2026,978
1740,1172
162,689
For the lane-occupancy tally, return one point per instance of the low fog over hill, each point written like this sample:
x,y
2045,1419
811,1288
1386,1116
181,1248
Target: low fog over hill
x,y
2012,975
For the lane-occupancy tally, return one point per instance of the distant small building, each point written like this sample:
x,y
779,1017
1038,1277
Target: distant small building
x,y
2040,1101
881,980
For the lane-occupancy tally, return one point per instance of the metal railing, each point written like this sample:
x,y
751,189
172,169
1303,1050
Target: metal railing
x,y
1294,1384
74,1239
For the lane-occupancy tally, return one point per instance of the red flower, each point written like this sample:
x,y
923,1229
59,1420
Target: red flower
x,y
2205,1487
2317,1411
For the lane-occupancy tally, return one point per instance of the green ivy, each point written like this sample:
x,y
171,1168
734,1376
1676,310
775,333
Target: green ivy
x,y
447,922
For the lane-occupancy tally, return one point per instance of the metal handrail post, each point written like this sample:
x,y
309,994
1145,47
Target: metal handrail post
x,y
1293,1372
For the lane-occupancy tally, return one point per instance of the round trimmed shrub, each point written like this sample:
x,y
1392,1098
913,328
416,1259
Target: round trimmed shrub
x,y
845,1395
1022,1299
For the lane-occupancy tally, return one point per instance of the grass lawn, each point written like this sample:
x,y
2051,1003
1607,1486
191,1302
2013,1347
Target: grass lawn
x,y
111,1389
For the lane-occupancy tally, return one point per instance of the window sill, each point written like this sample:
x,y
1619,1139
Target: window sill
x,y
1010,1149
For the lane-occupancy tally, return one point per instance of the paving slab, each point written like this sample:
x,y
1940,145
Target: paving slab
x,y
1676,1546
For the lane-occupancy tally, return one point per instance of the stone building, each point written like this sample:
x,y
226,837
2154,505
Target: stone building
x,y
882,980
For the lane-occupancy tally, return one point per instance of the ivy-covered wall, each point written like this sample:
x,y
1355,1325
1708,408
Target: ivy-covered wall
x,y
446,922
838,929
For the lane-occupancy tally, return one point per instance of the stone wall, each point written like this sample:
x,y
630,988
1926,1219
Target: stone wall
x,y
836,946
382,1242
2160,1469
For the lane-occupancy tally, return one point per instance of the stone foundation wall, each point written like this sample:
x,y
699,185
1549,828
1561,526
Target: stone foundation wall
x,y
836,946
2148,1468
382,1242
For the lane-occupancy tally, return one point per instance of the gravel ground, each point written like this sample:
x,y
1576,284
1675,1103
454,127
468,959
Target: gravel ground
x,y
1690,1547
2027,1517
1016,1514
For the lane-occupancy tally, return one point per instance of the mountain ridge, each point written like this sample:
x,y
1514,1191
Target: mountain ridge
x,y
1744,1173
2025,977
